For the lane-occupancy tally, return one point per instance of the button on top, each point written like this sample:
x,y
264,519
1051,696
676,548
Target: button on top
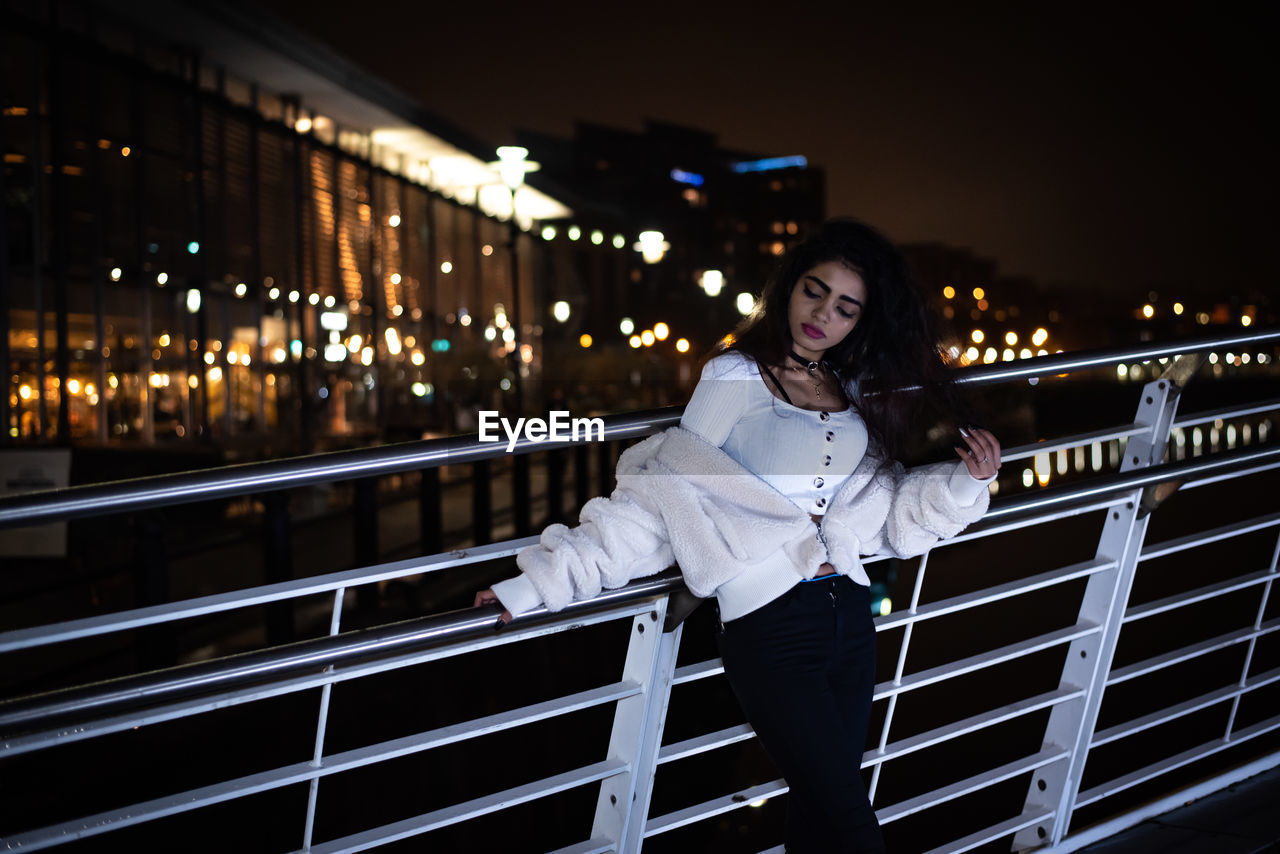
x,y
821,502
824,416
817,481
826,461
830,436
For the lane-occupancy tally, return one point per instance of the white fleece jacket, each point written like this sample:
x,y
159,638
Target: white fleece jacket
x,y
680,499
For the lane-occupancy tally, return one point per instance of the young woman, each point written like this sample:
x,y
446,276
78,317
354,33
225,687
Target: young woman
x,y
784,471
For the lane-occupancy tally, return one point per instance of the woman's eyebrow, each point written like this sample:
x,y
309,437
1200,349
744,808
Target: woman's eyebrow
x,y
827,288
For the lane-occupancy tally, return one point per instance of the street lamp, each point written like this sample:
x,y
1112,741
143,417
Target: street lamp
x,y
512,165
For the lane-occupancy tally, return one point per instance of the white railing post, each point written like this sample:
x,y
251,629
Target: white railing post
x,y
637,730
1071,725
322,722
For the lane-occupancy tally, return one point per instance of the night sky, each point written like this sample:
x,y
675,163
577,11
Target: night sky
x,y
1109,149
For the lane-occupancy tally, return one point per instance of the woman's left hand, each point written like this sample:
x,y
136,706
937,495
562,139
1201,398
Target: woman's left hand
x,y
982,456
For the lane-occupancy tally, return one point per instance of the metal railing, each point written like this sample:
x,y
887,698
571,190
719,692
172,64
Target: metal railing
x,y
1065,717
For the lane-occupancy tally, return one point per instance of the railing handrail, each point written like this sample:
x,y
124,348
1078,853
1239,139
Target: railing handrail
x,y
186,681
272,475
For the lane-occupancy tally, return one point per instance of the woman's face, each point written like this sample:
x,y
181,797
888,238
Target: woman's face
x,y
825,305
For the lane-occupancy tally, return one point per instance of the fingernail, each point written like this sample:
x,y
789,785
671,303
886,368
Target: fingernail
x,y
500,624
964,432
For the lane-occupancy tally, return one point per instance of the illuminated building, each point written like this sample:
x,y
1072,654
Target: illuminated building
x,y
226,231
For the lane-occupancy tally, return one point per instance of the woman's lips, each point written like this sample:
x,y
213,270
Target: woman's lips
x,y
812,331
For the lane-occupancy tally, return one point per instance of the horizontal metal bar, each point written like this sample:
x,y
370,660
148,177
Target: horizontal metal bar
x,y
714,807
1011,652
132,719
298,772
1234,474
1150,809
994,832
1199,594
1121,431
700,670
1152,551
983,529
703,743
1186,653
974,723
995,593
1170,763
1226,413
1179,710
436,819
234,599
205,677
1127,482
186,487
1062,363
1008,771
591,846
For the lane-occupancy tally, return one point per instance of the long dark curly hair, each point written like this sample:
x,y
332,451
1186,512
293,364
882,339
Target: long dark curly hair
x,y
892,352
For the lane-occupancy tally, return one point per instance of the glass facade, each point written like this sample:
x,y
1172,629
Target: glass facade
x,y
191,254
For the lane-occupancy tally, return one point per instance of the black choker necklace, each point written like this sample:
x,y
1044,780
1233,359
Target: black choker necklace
x,y
812,368
809,365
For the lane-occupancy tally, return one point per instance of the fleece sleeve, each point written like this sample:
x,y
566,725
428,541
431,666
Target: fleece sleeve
x,y
927,505
617,539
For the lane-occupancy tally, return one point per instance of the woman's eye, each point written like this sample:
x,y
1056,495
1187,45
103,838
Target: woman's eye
x,y
809,293
845,314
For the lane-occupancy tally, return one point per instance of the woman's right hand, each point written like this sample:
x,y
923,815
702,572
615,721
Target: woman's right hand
x,y
488,597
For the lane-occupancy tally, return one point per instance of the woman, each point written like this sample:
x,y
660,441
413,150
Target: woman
x,y
781,474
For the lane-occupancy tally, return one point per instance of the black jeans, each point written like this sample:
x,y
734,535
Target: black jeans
x,y
803,669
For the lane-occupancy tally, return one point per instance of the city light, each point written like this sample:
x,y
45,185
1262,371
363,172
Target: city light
x,y
584,340
682,345
1008,355
1177,308
215,375
73,386
313,298
626,326
241,289
949,292
162,279
574,232
619,241
560,310
418,389
394,220
652,246
125,151
303,124
395,278
25,391
193,381
597,237
418,358
634,341
116,273
711,281
193,247
393,341
661,331
1245,320
548,232
1148,311
1011,338
508,335
977,336
335,351
1040,336
745,303
1024,353
446,267
972,354
647,338
294,296
990,355
979,293
273,294
330,301
193,301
